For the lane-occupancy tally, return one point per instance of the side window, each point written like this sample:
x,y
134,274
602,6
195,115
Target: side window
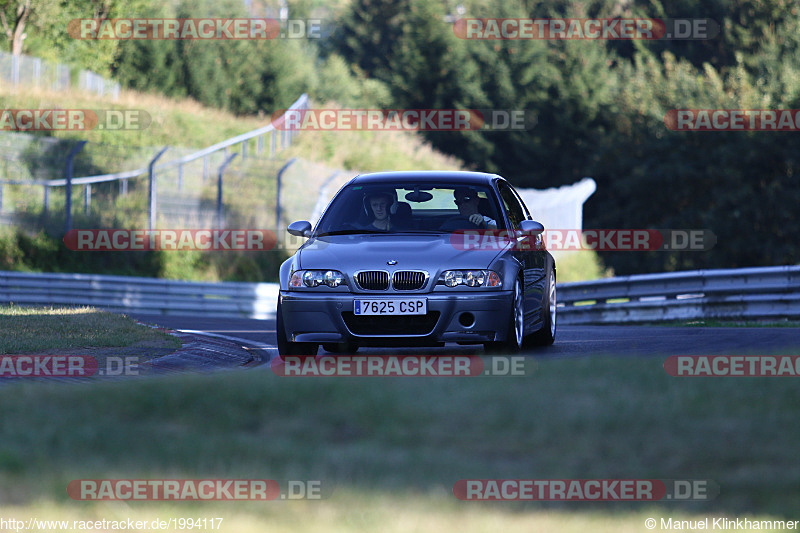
x,y
514,209
522,203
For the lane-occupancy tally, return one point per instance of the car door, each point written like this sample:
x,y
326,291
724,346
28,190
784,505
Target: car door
x,y
533,261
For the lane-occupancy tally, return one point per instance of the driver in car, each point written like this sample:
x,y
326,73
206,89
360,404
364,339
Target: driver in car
x,y
467,201
381,205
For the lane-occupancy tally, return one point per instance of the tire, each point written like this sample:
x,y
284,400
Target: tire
x,y
516,326
303,350
547,335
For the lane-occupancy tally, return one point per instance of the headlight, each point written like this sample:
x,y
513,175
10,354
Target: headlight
x,y
315,278
470,278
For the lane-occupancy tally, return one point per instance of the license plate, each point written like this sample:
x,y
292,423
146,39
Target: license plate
x,y
417,306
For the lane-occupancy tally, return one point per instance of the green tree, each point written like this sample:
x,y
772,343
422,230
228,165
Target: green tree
x,y
243,76
41,28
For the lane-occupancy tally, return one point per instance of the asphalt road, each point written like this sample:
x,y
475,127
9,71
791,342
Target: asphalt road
x,y
571,341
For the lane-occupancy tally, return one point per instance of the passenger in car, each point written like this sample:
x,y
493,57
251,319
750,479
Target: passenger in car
x,y
467,201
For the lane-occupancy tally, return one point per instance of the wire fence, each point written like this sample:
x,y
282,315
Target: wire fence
x,y
23,70
186,196
229,184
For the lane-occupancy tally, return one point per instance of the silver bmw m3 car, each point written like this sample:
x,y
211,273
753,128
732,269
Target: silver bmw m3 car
x,y
418,258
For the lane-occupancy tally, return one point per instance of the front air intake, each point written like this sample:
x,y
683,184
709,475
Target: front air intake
x,y
408,280
373,280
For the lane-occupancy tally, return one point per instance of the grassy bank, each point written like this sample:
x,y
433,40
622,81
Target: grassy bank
x,y
172,122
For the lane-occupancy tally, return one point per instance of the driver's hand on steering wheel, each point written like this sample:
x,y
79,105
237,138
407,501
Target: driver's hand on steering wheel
x,y
477,219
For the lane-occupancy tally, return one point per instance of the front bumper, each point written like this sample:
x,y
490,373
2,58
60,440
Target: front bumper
x,y
328,318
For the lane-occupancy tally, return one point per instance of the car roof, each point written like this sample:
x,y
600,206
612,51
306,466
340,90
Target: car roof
x,y
454,176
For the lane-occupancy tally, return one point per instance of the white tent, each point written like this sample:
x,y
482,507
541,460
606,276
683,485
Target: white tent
x,y
559,208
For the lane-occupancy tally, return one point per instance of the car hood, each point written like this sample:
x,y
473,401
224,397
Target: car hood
x,y
372,251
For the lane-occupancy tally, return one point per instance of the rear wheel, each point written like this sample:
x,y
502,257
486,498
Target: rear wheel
x,y
547,335
286,348
514,334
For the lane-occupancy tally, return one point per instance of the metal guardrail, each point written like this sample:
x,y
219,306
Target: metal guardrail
x,y
747,293
744,293
128,294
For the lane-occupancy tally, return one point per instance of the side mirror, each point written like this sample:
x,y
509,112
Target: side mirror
x,y
531,226
300,228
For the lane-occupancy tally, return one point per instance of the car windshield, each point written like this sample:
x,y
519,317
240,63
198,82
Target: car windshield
x,y
408,207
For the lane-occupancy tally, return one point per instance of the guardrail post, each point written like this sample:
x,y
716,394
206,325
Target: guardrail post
x,y
219,188
124,186
180,176
244,150
205,168
278,197
272,146
152,178
46,200
260,144
87,198
68,189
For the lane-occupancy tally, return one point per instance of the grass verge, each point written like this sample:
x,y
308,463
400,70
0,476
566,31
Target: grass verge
x,y
393,447
29,330
580,265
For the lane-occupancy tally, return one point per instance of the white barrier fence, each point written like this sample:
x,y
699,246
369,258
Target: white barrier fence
x,y
559,208
748,293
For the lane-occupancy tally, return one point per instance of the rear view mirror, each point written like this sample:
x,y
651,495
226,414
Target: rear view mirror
x,y
419,196
531,226
300,228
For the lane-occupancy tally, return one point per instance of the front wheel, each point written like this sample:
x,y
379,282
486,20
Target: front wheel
x,y
547,335
286,348
516,325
